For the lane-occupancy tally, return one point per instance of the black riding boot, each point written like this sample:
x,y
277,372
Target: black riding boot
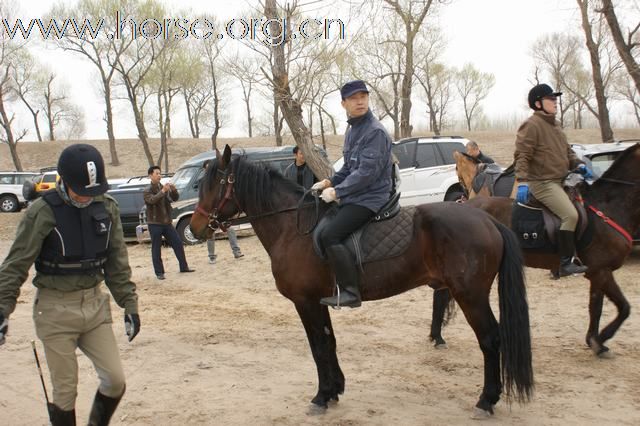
x,y
347,277
102,409
567,248
59,417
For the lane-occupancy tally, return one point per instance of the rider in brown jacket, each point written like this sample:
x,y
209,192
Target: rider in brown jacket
x,y
542,159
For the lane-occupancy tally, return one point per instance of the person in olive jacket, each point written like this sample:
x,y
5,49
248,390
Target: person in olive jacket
x,y
543,158
73,234
158,198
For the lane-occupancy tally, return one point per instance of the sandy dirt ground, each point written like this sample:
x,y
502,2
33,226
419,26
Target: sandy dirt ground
x,y
222,346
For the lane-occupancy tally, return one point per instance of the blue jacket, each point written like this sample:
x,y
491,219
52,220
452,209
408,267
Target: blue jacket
x,y
365,177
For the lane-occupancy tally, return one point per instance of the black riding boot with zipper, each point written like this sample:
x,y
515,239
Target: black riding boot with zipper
x,y
567,248
60,417
346,276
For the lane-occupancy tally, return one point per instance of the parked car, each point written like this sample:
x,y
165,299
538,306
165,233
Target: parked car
x,y
427,169
130,201
188,175
11,183
599,157
46,181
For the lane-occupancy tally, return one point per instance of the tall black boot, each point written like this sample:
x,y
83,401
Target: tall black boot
x,y
347,277
59,417
567,248
102,409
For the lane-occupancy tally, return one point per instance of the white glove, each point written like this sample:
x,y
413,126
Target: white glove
x,y
329,195
319,186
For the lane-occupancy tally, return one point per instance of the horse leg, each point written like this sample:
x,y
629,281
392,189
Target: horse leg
x,y
610,288
441,298
481,319
317,324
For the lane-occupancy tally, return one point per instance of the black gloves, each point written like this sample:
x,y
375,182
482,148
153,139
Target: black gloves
x,y
4,327
132,325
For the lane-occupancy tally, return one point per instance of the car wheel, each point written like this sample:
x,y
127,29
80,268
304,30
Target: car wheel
x,y
9,203
184,230
454,195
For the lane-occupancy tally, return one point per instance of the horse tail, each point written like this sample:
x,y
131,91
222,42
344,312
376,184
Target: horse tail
x,y
515,337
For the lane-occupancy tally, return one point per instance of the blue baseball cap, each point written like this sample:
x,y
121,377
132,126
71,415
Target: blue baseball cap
x,y
353,87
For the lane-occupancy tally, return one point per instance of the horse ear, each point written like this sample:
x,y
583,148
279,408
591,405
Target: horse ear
x,y
225,158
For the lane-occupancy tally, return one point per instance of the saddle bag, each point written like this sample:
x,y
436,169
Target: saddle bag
x,y
528,224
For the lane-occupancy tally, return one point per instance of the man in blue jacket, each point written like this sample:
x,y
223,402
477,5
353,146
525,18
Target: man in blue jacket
x,y
362,186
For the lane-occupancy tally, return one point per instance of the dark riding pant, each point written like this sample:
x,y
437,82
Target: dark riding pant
x,y
348,219
156,231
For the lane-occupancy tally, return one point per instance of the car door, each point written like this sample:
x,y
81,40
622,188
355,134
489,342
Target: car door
x,y
405,153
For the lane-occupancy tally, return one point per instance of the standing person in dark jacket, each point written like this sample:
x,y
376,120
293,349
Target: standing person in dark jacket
x,y
74,236
299,172
543,158
158,198
474,150
362,186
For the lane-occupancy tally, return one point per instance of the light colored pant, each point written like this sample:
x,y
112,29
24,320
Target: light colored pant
x,y
552,195
233,242
80,319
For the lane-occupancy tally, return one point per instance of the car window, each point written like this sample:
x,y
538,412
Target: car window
x,y
447,149
20,179
184,175
49,178
6,179
601,162
405,152
426,155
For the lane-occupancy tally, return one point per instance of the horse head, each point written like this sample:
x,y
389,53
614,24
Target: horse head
x,y
217,202
466,168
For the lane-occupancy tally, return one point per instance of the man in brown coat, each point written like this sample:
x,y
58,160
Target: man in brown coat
x,y
543,158
158,198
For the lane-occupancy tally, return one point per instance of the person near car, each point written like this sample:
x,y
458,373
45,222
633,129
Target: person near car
x,y
361,187
158,198
299,172
74,236
543,158
473,150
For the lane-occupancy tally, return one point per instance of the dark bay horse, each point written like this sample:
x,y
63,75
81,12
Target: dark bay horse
x,y
617,196
452,247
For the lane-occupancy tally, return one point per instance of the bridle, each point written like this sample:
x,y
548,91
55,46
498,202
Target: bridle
x,y
226,194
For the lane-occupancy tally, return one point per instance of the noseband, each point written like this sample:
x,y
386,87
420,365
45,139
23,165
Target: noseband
x,y
226,193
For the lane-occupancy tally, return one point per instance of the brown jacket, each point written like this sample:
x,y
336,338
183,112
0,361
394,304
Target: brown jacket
x,y
159,204
542,151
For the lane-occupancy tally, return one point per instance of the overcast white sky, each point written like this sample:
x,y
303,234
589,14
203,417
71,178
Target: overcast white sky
x,y
494,35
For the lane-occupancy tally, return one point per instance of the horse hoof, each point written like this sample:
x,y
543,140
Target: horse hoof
x,y
601,351
316,410
441,346
480,414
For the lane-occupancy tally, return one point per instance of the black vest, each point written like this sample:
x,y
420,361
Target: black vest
x,y
78,243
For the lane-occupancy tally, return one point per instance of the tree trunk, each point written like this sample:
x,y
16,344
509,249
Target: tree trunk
x,y
6,125
596,69
249,119
109,113
405,90
624,50
277,123
291,108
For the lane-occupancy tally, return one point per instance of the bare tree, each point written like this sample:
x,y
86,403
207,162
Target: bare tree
x,y
558,55
625,48
606,132
212,50
54,103
195,86
103,53
133,66
29,81
9,50
412,13
247,71
473,87
625,87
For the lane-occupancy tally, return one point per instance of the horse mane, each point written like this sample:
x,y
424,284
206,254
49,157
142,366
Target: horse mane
x,y
619,170
615,168
470,157
256,183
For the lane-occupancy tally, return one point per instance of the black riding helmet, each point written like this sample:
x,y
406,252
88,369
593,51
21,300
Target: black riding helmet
x,y
82,169
538,92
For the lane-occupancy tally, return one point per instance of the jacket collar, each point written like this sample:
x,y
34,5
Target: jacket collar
x,y
549,118
358,120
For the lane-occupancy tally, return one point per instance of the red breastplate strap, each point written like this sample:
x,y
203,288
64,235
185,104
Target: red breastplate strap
x,y
612,223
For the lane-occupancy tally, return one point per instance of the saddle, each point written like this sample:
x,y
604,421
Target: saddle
x,y
536,226
498,182
386,235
